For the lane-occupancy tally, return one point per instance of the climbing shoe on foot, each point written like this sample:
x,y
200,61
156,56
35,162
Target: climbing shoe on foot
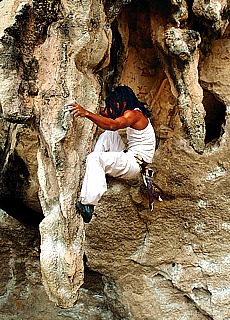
x,y
86,211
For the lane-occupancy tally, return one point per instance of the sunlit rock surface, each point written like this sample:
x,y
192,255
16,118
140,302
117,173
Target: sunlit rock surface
x,y
171,263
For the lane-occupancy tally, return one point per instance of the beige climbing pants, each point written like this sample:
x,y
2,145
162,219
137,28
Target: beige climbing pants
x,y
108,158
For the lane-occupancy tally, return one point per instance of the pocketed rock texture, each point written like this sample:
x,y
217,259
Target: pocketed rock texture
x,y
129,262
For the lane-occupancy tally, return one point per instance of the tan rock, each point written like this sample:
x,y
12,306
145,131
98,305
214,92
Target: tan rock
x,y
171,263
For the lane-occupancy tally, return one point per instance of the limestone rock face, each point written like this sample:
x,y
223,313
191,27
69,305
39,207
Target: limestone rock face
x,y
171,263
22,293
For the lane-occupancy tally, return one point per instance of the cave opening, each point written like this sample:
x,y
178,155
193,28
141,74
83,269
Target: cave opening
x,y
17,209
215,117
14,181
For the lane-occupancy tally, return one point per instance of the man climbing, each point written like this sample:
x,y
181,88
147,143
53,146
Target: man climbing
x,y
110,156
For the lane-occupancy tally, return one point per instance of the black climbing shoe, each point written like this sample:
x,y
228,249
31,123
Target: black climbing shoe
x,y
86,211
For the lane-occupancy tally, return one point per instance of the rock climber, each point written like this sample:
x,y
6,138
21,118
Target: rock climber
x,y
110,155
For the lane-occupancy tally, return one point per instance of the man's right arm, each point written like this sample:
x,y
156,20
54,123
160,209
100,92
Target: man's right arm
x,y
103,112
103,122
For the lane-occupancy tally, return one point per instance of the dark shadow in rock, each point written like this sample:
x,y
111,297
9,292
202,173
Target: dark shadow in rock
x,y
215,117
20,211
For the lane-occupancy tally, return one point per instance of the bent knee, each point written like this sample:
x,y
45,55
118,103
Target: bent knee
x,y
94,157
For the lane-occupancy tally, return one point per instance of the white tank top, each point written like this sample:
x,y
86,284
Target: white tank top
x,y
142,142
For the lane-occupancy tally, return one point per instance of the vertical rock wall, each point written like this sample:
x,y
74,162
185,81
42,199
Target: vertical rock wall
x,y
53,48
171,263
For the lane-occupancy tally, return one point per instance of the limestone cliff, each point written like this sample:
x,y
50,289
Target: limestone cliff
x,y
172,263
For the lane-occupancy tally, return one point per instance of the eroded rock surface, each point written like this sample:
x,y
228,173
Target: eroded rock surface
x,y
172,263
22,294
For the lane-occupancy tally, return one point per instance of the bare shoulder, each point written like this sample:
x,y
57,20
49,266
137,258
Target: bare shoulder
x,y
133,113
139,121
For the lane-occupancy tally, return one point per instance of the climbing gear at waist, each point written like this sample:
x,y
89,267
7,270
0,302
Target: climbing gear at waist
x,y
147,175
142,163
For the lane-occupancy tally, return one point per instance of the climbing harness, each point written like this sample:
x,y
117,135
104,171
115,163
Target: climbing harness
x,y
147,175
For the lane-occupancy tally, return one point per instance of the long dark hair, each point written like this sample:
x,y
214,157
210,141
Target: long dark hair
x,y
120,95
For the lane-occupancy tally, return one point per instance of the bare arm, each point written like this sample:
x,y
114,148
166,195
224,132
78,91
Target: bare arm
x,y
129,118
103,112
